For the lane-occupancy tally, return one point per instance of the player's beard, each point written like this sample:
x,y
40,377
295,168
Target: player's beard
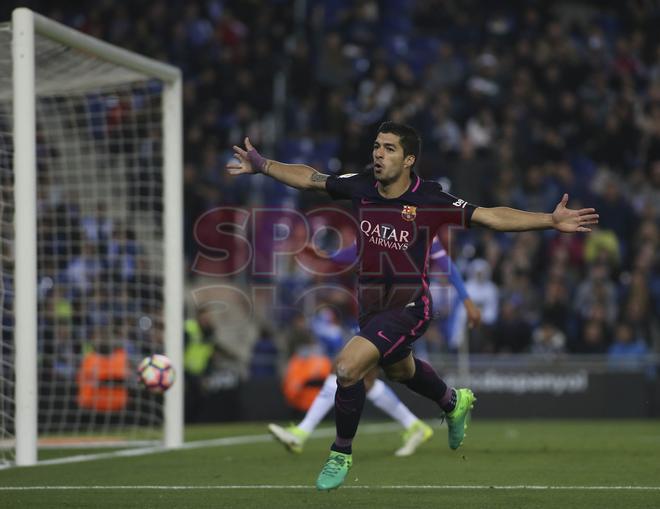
x,y
386,180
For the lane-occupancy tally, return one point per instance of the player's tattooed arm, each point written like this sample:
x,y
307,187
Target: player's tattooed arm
x,y
318,180
318,177
300,176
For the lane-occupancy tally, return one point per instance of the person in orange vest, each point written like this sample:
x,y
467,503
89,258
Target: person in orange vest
x,y
102,380
305,373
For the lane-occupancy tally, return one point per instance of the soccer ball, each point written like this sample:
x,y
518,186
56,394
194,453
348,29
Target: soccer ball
x,y
156,373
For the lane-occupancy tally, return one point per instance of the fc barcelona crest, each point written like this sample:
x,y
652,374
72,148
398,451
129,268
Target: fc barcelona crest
x,y
409,213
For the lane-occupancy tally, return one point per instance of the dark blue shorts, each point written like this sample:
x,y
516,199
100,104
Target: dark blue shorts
x,y
393,331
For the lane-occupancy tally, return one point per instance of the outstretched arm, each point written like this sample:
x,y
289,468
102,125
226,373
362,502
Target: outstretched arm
x,y
299,176
513,220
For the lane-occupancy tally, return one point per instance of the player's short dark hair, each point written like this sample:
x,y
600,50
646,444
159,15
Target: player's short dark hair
x,y
408,136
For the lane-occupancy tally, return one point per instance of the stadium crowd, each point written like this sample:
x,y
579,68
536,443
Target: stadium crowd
x,y
517,102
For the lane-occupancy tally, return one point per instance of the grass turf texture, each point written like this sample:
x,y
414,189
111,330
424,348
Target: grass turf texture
x,y
496,453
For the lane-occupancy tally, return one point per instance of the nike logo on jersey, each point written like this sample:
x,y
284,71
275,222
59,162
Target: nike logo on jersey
x,y
367,202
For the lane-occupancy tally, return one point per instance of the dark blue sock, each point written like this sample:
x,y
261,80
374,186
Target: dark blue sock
x,y
426,382
349,402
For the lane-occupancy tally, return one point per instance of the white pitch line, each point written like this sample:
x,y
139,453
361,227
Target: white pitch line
x,y
305,487
367,429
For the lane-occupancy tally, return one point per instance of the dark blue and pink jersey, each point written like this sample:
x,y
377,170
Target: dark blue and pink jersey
x,y
394,245
439,259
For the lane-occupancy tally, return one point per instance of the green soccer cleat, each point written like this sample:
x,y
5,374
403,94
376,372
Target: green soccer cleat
x,y
292,438
457,419
334,471
418,433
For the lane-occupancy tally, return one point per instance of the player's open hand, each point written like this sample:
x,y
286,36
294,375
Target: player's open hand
x,y
570,220
246,160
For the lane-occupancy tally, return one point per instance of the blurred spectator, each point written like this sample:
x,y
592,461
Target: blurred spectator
x,y
626,350
482,290
199,342
83,269
485,295
378,90
556,303
511,333
265,356
548,340
597,295
615,212
603,247
332,68
328,331
445,131
480,129
536,193
594,338
97,227
446,70
296,334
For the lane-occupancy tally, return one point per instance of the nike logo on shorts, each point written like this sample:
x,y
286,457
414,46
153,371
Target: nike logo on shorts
x,y
381,335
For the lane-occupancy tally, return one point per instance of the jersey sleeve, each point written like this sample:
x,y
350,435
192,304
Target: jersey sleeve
x,y
447,200
344,187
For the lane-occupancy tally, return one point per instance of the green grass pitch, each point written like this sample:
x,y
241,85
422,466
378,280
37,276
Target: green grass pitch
x,y
508,464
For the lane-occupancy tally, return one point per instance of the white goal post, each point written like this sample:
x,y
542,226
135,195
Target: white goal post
x,y
96,66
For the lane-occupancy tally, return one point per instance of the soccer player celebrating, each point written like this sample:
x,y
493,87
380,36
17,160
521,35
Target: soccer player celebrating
x,y
416,431
398,214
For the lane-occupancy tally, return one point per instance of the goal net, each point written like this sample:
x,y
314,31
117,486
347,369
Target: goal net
x,y
103,205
